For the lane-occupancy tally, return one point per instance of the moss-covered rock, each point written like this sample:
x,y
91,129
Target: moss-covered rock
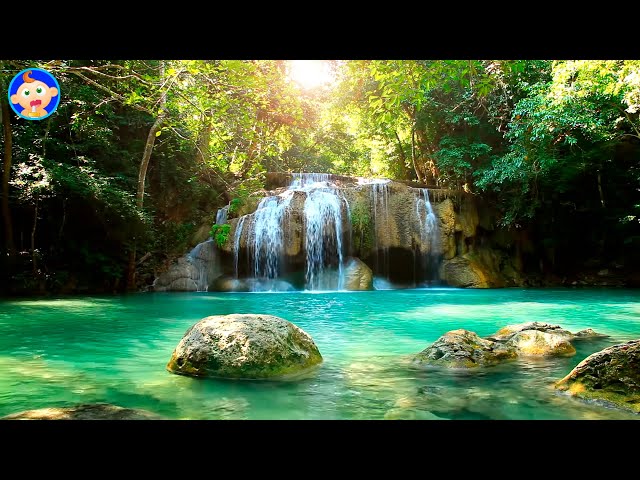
x,y
611,375
463,349
87,411
244,346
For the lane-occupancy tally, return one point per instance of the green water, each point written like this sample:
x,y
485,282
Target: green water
x,y
65,351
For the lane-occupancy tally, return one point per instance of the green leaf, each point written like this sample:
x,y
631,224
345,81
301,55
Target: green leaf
x,y
158,133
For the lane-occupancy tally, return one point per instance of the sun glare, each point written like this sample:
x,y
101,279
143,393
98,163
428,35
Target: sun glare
x,y
310,73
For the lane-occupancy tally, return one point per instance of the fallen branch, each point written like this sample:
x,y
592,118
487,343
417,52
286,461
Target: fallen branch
x,y
144,258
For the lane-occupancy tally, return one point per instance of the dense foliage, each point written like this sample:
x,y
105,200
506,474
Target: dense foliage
x,y
130,170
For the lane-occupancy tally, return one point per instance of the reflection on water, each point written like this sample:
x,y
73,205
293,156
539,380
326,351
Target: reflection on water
x,y
60,352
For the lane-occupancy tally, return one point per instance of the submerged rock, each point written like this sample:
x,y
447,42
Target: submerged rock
x,y
87,411
229,284
611,375
588,333
463,349
244,346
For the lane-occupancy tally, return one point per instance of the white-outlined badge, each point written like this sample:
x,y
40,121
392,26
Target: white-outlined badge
x,y
34,94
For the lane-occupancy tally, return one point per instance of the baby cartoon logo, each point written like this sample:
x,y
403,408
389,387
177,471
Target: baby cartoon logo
x,y
34,94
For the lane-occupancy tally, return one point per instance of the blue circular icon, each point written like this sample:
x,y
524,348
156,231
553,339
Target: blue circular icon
x,y
34,94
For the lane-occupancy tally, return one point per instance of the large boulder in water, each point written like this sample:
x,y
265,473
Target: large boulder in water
x,y
357,275
611,375
88,411
463,349
534,343
244,346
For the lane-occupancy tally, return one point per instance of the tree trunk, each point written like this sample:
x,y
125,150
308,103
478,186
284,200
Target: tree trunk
x,y
34,260
204,136
405,166
6,173
413,154
142,176
600,189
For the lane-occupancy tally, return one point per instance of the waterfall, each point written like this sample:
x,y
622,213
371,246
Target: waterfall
x,y
221,215
428,224
236,244
428,233
380,201
268,238
300,237
204,258
323,232
302,180
323,227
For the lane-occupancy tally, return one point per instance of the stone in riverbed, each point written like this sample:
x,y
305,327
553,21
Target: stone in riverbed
x,y
534,343
463,349
244,346
510,331
588,333
87,411
611,375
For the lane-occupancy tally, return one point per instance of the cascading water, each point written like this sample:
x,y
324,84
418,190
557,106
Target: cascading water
x,y
428,232
204,258
380,201
307,229
221,215
268,238
323,227
302,180
236,244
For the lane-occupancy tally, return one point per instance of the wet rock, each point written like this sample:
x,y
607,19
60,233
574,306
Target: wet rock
x,y
611,375
587,334
534,343
463,349
506,333
89,411
244,346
